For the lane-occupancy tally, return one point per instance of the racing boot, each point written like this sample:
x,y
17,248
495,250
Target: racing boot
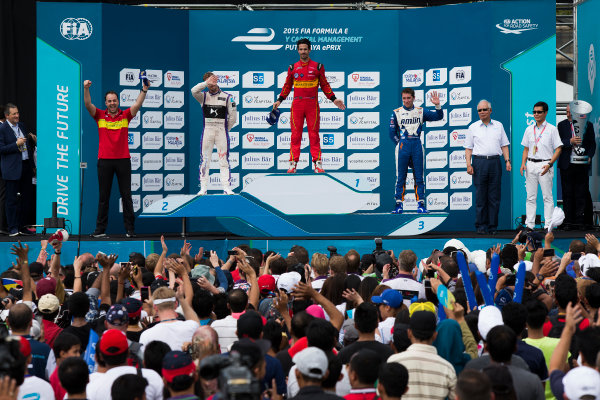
x,y
399,208
421,209
319,167
292,169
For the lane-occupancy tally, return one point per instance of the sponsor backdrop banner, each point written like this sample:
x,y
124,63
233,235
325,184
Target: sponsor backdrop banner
x,y
588,69
368,57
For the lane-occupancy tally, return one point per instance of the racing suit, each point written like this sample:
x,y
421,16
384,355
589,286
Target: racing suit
x,y
305,78
220,113
405,130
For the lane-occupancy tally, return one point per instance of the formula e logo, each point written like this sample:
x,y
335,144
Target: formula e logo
x,y
516,25
258,35
76,28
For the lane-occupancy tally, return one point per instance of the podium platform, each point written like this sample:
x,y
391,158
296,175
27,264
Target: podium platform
x,y
282,205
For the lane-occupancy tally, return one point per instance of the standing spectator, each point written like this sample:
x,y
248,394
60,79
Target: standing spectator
x,y
171,330
74,377
429,375
113,350
49,306
362,373
129,387
393,381
574,178
405,282
20,320
179,375
33,387
365,321
389,305
486,141
237,302
3,226
473,385
542,147
311,368
65,346
113,154
16,162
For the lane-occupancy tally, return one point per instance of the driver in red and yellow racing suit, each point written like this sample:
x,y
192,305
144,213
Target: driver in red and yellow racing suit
x,y
305,76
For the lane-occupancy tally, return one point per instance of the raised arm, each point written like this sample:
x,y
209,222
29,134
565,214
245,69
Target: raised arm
x,y
140,99
158,269
307,292
87,98
23,260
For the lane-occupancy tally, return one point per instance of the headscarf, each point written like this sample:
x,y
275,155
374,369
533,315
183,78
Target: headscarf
x,y
449,344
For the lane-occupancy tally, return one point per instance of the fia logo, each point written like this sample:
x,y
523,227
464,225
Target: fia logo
x,y
76,28
129,76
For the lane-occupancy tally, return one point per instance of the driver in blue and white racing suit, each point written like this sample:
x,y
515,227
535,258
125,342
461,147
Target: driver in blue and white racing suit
x,y
405,130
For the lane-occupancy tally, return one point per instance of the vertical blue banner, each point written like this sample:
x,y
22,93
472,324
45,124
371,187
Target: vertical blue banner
x,y
59,114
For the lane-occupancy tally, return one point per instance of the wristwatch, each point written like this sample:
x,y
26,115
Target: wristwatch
x,y
540,277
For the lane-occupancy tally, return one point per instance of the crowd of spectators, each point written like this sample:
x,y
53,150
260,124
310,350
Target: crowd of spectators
x,y
263,325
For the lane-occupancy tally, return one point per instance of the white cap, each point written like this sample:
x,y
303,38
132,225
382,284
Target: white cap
x,y
288,280
459,245
582,381
588,261
489,317
478,258
311,362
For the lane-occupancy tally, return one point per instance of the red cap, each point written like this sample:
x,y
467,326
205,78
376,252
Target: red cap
x,y
176,363
45,286
113,342
266,283
25,347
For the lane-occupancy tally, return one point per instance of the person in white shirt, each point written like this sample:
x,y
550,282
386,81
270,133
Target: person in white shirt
x,y
114,350
486,141
171,330
542,147
226,328
389,305
405,282
320,267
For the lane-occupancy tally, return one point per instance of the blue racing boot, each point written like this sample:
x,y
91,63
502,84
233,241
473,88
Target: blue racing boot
x,y
399,208
421,209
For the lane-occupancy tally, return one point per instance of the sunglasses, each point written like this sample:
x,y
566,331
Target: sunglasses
x,y
538,112
483,109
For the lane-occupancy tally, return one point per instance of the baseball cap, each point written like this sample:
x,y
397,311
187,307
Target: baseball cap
x,y
25,346
133,306
423,322
489,317
48,303
202,271
158,283
266,283
36,270
45,286
250,324
113,342
421,306
177,363
390,297
582,381
311,362
316,311
288,281
117,315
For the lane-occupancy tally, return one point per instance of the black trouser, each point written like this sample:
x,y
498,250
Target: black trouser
x,y
575,185
17,209
487,178
107,168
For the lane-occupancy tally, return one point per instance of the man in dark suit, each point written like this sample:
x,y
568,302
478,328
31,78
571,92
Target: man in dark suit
x,y
16,162
574,178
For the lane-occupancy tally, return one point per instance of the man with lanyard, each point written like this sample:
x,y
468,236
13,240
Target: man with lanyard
x,y
305,76
405,130
542,147
486,140
113,154
574,178
220,114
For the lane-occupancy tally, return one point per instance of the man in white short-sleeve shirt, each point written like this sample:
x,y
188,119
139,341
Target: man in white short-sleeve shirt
x,y
486,142
542,146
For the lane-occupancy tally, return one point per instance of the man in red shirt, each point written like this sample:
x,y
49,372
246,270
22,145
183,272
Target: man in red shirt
x,y
305,76
113,154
